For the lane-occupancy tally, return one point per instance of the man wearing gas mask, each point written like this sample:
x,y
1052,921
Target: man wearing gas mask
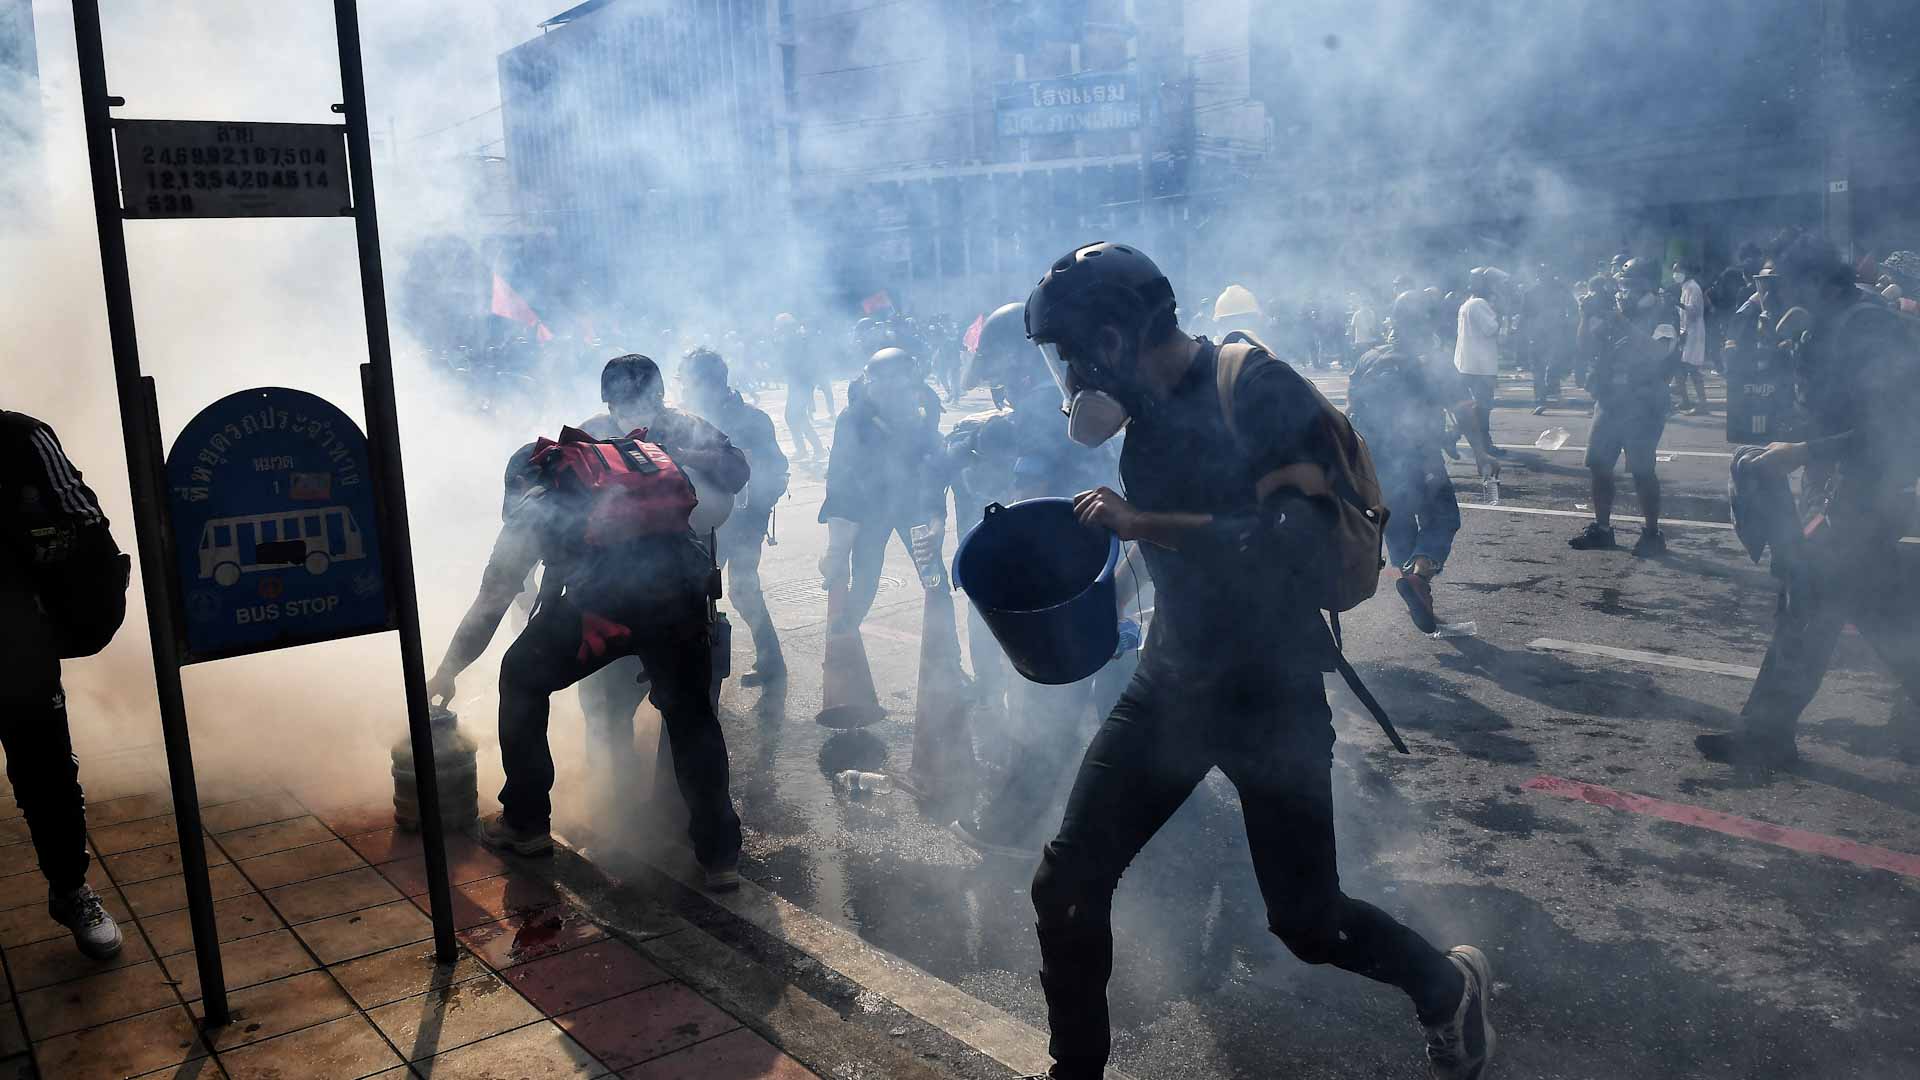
x,y
1017,452
1862,456
1232,672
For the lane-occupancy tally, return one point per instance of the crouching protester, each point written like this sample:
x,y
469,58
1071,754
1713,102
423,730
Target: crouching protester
x,y
63,586
625,576
1855,365
1231,463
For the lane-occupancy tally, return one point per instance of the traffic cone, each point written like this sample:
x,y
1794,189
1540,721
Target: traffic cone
x,y
943,759
847,697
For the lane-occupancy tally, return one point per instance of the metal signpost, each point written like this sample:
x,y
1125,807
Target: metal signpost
x,y
274,522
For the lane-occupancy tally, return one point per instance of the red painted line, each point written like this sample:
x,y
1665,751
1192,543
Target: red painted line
x,y
1800,840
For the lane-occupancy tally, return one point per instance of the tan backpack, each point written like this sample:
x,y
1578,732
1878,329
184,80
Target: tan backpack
x,y
1360,521
1359,530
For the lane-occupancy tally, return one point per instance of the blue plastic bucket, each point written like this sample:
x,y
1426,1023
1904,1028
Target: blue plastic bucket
x,y
1043,583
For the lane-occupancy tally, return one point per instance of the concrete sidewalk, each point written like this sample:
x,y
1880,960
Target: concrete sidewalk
x,y
329,959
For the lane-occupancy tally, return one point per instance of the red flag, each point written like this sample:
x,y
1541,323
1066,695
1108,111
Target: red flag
x,y
875,302
972,338
508,305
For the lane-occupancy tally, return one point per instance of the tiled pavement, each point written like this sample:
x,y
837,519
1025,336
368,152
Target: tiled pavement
x,y
329,961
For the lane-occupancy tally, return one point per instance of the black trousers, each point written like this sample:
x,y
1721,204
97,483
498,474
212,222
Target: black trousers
x,y
33,731
1272,735
679,661
740,543
1809,617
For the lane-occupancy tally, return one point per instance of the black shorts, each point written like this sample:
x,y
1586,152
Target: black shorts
x,y
1633,428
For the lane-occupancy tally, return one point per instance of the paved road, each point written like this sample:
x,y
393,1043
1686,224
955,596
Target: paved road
x,y
1651,941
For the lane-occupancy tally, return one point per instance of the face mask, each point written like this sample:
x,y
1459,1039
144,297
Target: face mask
x,y
1679,278
1094,416
633,416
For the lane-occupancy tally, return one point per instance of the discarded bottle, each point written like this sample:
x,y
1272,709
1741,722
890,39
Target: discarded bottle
x,y
1129,637
1493,491
1453,629
1553,438
863,783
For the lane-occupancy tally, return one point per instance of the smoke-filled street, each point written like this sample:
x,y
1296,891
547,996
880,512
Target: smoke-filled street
x,y
959,540
1670,941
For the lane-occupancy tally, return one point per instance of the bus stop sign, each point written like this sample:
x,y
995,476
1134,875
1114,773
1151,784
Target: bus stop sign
x,y
274,524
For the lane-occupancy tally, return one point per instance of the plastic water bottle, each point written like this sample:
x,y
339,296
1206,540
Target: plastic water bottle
x,y
922,549
1552,438
1129,637
1493,490
863,783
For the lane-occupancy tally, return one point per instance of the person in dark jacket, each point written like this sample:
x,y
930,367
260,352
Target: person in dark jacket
x,y
887,477
49,523
745,534
1232,676
1861,462
648,599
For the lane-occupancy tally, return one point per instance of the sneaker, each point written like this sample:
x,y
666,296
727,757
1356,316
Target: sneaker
x,y
971,836
1461,1046
1418,594
1651,543
1739,748
761,676
500,835
722,877
1593,538
93,929
1540,410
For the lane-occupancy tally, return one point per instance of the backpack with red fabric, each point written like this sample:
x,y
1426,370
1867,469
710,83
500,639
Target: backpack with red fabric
x,y
626,542
625,489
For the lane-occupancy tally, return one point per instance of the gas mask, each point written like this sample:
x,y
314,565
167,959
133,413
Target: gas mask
x,y
1093,415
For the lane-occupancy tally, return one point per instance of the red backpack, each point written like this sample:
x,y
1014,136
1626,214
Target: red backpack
x,y
629,488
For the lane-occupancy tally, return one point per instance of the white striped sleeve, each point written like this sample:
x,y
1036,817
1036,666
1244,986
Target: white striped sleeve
x,y
63,480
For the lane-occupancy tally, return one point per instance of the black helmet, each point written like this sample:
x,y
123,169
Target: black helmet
x,y
1094,284
891,361
1410,314
630,378
1642,270
1002,345
703,365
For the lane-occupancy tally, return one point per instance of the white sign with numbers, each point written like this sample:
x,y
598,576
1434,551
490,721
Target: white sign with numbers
x,y
213,169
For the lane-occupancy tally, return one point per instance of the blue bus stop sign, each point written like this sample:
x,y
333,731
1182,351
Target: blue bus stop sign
x,y
275,526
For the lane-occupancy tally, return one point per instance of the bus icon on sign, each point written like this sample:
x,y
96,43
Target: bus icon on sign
x,y
315,539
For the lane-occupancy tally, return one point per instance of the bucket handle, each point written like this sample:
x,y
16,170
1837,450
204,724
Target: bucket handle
x,y
992,508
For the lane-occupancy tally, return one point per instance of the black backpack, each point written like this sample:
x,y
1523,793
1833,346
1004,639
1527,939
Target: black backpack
x,y
78,573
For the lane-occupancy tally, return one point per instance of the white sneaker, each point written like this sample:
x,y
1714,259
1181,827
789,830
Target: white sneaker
x,y
93,929
1461,1046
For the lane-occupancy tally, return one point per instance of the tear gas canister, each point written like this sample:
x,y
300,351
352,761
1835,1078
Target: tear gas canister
x,y
454,763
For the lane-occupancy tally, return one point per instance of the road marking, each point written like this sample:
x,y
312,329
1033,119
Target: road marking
x,y
1684,663
1585,514
1582,450
1809,843
992,1032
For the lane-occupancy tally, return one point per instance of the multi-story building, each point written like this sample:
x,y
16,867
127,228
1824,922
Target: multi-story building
x,y
643,142
1568,130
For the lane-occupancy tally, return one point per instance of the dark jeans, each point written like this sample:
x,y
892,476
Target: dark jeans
x,y
33,732
1484,390
1423,513
1807,624
740,543
679,660
1271,733
1545,364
